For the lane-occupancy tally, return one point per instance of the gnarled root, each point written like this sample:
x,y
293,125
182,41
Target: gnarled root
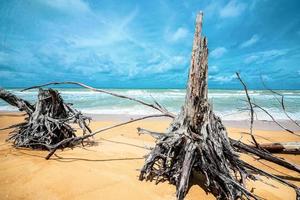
x,y
208,152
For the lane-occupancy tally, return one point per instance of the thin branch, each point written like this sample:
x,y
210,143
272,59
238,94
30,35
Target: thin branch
x,y
251,109
156,107
281,102
156,135
266,174
264,155
274,120
74,141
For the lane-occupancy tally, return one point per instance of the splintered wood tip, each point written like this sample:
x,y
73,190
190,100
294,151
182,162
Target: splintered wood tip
x,y
199,16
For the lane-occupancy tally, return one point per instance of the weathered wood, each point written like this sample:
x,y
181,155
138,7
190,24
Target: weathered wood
x,y
253,105
281,102
48,121
13,100
282,147
197,141
79,139
155,106
242,147
251,110
248,149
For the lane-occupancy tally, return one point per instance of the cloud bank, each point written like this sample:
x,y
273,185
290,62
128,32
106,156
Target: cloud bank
x,y
147,44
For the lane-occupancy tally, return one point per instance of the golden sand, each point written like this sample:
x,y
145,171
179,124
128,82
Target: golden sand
x,y
110,169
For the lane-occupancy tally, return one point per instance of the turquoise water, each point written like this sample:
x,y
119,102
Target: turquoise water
x,y
229,104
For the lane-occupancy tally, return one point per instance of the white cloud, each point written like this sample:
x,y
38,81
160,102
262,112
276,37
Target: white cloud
x,y
179,34
166,64
255,3
264,56
266,78
68,5
232,9
3,57
254,39
272,54
222,78
17,75
106,34
213,69
251,59
212,9
218,52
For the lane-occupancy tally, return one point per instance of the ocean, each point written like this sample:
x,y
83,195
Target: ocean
x,y
228,104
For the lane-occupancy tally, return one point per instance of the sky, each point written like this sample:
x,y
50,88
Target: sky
x,y
147,44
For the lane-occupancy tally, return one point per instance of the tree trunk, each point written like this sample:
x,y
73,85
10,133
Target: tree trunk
x,y
197,140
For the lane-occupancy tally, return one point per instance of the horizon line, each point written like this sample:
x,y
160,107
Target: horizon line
x,y
153,88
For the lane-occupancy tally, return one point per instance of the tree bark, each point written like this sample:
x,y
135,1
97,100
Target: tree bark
x,y
197,140
282,147
48,121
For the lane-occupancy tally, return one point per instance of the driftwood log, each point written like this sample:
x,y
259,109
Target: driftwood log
x,y
282,147
47,122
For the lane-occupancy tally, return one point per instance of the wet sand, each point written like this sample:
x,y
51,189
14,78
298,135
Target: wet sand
x,y
110,169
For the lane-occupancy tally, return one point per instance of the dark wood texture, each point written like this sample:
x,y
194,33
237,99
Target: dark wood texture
x,y
197,142
48,122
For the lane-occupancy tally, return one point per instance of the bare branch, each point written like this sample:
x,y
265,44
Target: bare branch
x,y
76,140
251,109
264,155
156,107
156,135
274,120
266,174
281,102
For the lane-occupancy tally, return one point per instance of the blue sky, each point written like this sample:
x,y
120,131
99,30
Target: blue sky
x,y
147,44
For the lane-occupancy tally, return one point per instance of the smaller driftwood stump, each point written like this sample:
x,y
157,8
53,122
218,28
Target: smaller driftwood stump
x,y
48,121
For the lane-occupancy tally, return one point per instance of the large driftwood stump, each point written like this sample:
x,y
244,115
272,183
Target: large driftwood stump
x,y
197,140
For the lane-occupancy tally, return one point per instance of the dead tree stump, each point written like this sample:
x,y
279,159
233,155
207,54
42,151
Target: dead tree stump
x,y
197,140
48,121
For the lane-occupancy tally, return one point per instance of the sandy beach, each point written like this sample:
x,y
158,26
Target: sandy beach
x,y
214,84
110,169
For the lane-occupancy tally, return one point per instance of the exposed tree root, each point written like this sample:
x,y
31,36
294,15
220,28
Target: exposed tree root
x,y
48,121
